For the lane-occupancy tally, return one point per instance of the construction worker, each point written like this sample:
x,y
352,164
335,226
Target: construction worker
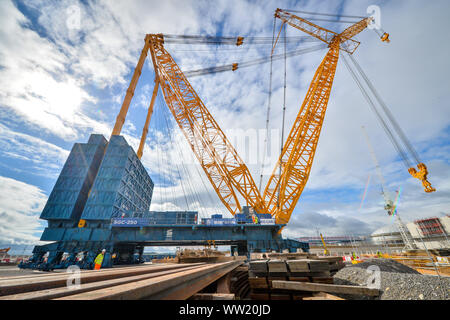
x,y
99,260
379,254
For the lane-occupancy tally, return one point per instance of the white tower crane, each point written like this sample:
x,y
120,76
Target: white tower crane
x,y
388,203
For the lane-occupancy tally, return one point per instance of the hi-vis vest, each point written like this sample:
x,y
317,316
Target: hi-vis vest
x,y
99,259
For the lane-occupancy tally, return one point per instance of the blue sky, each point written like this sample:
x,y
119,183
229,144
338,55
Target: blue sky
x,y
61,83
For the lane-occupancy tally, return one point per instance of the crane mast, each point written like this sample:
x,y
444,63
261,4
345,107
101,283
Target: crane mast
x,y
284,189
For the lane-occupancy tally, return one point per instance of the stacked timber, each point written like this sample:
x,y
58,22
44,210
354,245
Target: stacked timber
x,y
263,273
239,284
290,256
203,255
335,263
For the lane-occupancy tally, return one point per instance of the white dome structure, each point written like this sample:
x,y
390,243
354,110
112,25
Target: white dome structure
x,y
388,234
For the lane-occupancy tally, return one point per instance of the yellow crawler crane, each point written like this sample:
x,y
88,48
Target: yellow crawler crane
x,y
224,168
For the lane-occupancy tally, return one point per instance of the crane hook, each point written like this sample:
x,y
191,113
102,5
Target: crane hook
x,y
422,176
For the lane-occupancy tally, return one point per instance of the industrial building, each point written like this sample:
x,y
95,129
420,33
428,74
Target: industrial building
x,y
427,233
334,240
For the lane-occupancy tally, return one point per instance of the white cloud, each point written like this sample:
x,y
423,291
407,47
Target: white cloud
x,y
36,85
45,158
20,206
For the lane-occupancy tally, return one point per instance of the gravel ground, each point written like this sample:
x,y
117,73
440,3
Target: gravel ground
x,y
398,282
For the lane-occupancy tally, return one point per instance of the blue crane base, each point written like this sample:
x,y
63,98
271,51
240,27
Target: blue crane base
x,y
103,182
126,244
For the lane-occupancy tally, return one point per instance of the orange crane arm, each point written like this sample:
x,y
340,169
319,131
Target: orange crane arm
x,y
281,195
130,91
347,44
306,26
218,158
283,191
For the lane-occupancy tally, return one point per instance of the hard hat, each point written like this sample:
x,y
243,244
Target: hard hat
x,y
104,250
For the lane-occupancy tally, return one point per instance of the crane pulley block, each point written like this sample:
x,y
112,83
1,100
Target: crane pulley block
x,y
422,176
385,37
239,41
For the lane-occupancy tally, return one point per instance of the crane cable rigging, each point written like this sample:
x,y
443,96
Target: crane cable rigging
x,y
268,109
407,150
238,41
189,193
283,116
325,14
251,63
222,40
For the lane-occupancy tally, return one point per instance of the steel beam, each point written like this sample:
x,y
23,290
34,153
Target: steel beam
x,y
16,286
176,286
85,287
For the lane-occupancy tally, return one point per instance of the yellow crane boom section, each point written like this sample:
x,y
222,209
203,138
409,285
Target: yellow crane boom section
x,y
283,191
225,169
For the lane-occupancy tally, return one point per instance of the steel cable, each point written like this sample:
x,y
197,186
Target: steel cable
x,y
283,118
388,131
218,40
268,109
388,113
246,64
325,14
195,195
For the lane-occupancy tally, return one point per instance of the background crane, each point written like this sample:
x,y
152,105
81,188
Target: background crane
x,y
325,249
389,205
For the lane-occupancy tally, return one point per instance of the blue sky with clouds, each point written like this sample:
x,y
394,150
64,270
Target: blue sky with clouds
x,y
59,84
